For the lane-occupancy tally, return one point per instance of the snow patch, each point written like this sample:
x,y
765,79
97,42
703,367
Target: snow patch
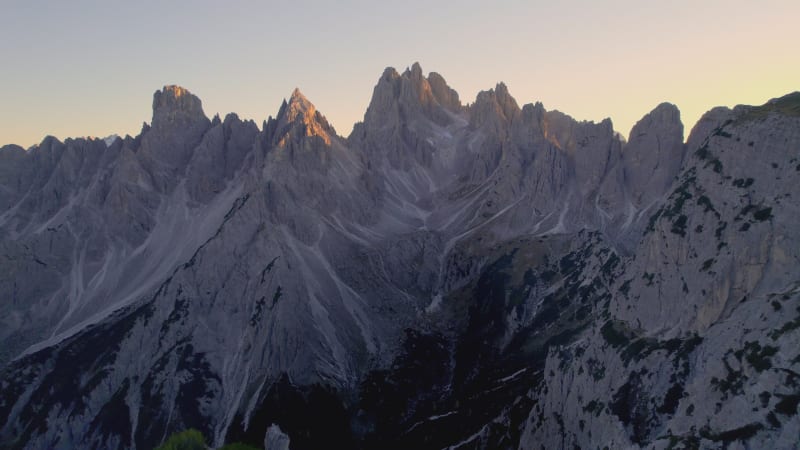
x,y
512,376
466,441
109,140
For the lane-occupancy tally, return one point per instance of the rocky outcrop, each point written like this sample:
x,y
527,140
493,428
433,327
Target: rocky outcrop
x,y
486,276
697,327
275,439
175,106
653,155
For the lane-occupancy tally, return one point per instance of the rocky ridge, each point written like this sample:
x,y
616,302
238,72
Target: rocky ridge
x,y
448,276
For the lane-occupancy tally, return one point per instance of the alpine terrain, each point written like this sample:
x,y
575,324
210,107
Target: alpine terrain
x,y
449,276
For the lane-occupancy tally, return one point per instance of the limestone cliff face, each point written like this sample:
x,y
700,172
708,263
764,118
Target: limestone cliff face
x,y
696,346
489,276
653,156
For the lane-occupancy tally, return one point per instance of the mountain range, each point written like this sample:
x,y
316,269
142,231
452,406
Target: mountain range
x,y
448,276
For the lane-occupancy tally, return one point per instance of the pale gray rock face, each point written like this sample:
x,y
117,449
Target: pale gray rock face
x,y
177,127
488,276
700,349
494,109
15,173
219,157
276,439
653,156
101,224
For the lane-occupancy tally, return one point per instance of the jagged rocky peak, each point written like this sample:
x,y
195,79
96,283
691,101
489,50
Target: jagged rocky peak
x,y
175,105
14,174
9,149
788,105
663,120
557,128
216,120
654,153
425,286
533,112
420,89
495,106
297,118
432,88
411,94
110,139
177,127
443,93
298,106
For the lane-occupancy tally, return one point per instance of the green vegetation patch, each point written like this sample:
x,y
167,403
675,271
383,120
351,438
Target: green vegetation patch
x,y
759,357
788,105
594,407
185,440
672,398
635,348
731,384
689,442
743,182
617,333
238,446
787,406
722,133
679,225
705,202
674,209
192,439
763,214
702,152
738,434
787,327
715,164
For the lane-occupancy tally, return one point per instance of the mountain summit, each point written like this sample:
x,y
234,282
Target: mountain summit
x,y
405,96
175,105
300,114
478,276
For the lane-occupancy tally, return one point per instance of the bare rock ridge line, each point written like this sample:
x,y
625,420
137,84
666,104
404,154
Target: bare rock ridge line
x,y
482,275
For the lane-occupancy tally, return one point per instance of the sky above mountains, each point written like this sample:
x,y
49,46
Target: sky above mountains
x,y
85,67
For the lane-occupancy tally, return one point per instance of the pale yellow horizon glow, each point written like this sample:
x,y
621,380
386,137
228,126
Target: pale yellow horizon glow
x,y
591,60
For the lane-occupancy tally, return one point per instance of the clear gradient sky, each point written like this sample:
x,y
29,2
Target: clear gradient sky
x,y
77,68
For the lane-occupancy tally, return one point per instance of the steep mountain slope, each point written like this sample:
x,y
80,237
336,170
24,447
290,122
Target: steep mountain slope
x,y
448,276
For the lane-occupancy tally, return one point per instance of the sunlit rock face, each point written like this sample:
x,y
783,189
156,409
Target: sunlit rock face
x,y
486,275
